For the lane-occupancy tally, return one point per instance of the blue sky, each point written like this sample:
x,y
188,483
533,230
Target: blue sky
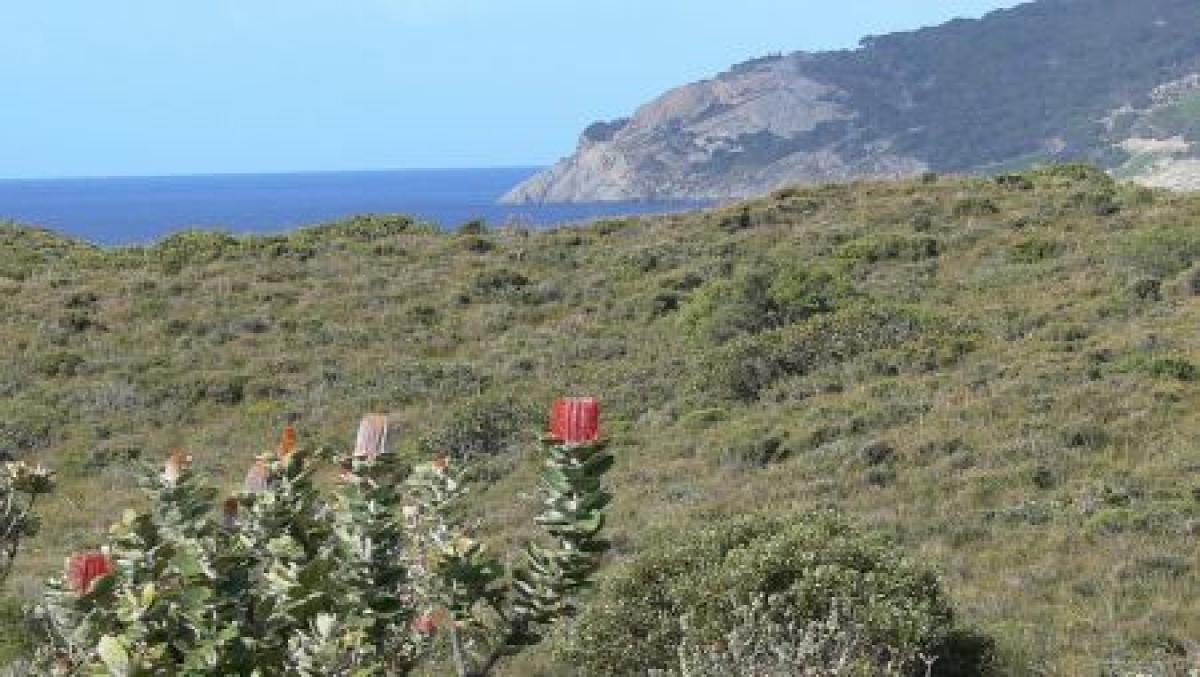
x,y
144,87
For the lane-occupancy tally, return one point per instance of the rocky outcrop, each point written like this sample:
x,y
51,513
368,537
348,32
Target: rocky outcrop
x,y
1105,81
742,133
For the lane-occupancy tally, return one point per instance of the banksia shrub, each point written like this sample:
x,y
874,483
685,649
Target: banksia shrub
x,y
692,590
21,485
284,578
767,640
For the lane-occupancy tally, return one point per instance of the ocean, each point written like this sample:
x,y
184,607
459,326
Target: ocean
x,y
118,211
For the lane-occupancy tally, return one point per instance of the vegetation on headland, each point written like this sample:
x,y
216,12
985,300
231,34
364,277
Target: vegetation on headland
x,y
999,373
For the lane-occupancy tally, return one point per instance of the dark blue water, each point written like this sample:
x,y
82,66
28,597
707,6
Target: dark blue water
x,y
128,210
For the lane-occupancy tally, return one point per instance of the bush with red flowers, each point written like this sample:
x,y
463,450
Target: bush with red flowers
x,y
365,580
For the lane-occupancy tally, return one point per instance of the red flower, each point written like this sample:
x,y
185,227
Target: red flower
x,y
82,569
287,443
372,436
258,478
575,420
425,623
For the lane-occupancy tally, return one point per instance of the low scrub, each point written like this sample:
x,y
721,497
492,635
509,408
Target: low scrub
x,y
715,599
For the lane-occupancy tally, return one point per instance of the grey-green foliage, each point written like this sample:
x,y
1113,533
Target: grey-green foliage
x,y
482,427
768,640
744,368
293,580
21,485
761,297
806,563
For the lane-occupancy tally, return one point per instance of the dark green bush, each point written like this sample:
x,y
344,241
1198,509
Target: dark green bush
x,y
58,364
745,367
1033,250
1164,250
1147,289
974,206
875,248
1069,173
473,227
760,298
15,640
498,283
808,562
1176,368
483,427
218,387
413,380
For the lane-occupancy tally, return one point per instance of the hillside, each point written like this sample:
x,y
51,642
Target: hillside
x,y
1112,82
1003,374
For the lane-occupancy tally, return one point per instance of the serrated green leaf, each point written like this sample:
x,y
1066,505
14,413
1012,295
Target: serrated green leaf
x,y
115,656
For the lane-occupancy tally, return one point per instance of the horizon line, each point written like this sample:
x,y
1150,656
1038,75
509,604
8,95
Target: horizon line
x,y
217,174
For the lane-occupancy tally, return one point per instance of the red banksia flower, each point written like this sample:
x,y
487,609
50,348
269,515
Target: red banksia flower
x,y
82,569
287,443
372,436
258,478
575,420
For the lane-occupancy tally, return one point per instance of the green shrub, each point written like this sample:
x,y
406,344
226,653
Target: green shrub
x,y
1176,368
219,387
745,367
15,641
288,578
483,427
874,248
472,227
499,283
1164,250
1033,250
760,298
689,590
1068,174
974,206
26,429
58,364
21,485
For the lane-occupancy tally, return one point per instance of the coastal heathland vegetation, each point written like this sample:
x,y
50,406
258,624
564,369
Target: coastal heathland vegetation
x,y
1000,374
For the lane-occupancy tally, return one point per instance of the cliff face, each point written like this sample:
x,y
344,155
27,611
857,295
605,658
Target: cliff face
x,y
1107,81
725,137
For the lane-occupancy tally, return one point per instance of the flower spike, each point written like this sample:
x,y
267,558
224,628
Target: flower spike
x,y
574,421
258,478
372,437
84,568
176,463
287,443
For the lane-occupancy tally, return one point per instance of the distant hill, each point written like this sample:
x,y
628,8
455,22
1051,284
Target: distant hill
x,y
1112,82
1002,373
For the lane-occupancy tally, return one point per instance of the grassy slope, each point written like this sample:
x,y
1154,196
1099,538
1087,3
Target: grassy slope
x,y
1050,471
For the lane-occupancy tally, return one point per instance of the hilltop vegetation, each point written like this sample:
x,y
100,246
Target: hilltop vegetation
x,y
1111,82
999,373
